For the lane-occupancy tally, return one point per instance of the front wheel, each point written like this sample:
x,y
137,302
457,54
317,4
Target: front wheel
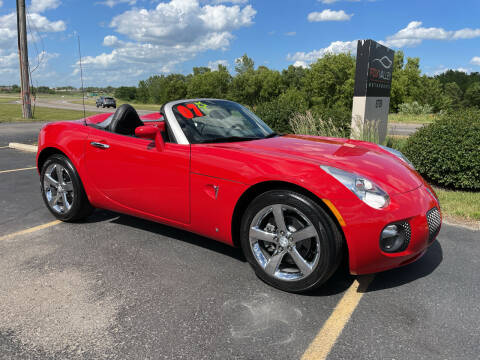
x,y
290,241
62,190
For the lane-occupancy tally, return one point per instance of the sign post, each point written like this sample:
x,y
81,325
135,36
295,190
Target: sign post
x,y
371,98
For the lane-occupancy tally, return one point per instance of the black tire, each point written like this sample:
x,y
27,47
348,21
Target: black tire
x,y
329,240
80,208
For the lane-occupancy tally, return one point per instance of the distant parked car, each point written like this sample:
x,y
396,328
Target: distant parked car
x,y
104,102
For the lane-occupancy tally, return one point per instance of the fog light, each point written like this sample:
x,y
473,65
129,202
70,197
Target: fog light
x,y
395,237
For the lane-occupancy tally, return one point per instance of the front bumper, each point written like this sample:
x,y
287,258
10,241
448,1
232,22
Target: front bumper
x,y
364,226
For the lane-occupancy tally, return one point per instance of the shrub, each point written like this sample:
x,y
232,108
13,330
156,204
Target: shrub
x,y
414,108
277,113
447,152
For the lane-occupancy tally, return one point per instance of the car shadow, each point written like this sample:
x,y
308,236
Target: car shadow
x,y
411,272
340,281
177,234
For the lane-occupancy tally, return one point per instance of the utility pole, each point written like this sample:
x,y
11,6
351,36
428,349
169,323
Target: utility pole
x,y
23,55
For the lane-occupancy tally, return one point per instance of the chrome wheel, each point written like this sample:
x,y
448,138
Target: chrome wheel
x,y
58,188
284,242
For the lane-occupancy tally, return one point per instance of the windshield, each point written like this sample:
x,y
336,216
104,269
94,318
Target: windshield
x,y
209,121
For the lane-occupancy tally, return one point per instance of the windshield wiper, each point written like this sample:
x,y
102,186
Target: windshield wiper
x,y
273,134
229,139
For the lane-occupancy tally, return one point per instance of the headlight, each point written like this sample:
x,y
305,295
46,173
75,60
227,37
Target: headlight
x,y
398,154
366,190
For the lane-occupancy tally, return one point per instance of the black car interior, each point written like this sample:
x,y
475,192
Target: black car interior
x,y
124,122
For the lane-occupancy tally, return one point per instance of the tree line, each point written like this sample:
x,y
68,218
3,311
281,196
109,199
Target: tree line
x,y
325,88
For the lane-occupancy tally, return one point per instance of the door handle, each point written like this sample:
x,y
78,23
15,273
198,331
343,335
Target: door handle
x,y
99,145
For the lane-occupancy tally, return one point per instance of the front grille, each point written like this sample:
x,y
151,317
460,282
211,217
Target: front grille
x,y
434,221
408,234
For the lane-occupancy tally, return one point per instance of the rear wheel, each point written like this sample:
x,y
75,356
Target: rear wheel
x,y
62,190
290,241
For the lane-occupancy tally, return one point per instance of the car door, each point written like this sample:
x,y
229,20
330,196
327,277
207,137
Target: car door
x,y
131,172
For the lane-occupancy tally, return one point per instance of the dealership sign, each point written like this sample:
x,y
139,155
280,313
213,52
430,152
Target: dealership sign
x,y
373,81
373,76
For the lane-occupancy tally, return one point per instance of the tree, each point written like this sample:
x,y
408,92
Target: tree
x,y
453,95
433,93
244,64
200,70
292,77
162,89
330,81
214,84
127,93
472,95
406,81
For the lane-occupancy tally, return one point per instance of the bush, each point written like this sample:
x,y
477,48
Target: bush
x,y
414,108
277,113
447,152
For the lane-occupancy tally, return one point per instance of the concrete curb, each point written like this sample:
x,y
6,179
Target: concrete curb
x,y
23,147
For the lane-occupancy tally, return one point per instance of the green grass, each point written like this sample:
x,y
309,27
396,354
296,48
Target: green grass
x,y
13,113
460,204
411,119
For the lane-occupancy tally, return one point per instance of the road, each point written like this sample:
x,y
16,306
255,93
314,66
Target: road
x,y
118,287
65,104
403,129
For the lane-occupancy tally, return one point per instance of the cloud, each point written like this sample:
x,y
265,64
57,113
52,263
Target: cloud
x,y
8,28
415,33
8,63
171,33
39,6
213,65
112,3
329,15
8,38
302,64
475,60
335,47
291,33
1,3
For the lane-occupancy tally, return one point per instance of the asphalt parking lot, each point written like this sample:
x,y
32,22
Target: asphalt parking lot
x,y
120,287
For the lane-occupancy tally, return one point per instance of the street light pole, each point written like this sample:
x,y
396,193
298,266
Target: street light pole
x,y
23,56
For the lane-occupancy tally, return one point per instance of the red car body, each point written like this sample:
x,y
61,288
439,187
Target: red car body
x,y
202,187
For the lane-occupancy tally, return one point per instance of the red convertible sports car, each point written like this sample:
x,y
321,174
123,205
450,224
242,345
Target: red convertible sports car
x,y
296,205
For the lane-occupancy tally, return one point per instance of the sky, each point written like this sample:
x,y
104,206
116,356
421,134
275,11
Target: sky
x,y
124,41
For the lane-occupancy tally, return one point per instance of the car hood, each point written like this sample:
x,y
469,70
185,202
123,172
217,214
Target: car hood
x,y
359,157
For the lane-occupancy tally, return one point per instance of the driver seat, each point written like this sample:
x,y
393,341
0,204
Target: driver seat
x,y
125,121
